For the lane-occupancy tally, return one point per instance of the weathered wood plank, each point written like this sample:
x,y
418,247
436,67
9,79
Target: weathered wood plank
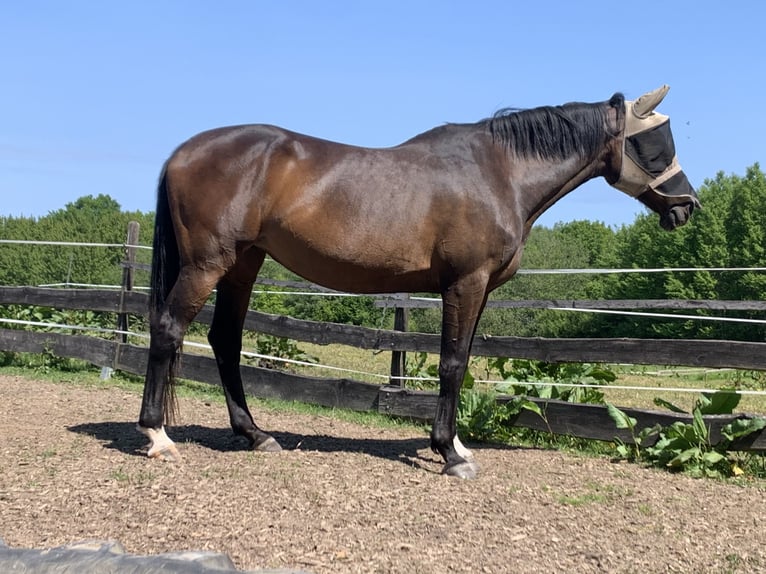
x,y
132,359
104,300
701,353
407,403
335,393
99,352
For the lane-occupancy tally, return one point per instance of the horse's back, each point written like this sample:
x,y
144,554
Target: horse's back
x,y
348,217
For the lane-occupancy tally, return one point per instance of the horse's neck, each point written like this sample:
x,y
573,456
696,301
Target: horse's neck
x,y
548,181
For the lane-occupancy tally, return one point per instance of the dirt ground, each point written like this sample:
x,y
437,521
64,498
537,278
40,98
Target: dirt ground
x,y
347,498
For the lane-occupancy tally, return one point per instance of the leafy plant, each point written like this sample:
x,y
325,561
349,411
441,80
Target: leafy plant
x,y
569,382
687,446
417,369
481,418
623,421
37,314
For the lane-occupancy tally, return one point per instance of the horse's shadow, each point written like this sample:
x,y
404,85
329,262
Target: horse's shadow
x,y
125,438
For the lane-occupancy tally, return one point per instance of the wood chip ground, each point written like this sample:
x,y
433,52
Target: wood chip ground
x,y
349,498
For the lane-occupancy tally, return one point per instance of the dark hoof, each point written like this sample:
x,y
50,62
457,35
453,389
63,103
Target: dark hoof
x,y
467,470
267,445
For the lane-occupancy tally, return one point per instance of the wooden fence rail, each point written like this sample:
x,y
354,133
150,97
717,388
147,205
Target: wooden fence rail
x,y
677,352
586,421
401,302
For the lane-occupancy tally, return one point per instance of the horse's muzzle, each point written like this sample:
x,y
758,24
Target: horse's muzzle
x,y
678,215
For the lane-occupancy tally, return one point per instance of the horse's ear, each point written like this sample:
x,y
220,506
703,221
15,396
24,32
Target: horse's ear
x,y
644,105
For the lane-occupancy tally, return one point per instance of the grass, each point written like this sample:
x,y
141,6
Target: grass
x,y
136,478
583,499
594,493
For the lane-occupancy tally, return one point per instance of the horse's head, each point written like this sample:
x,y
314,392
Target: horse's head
x,y
649,169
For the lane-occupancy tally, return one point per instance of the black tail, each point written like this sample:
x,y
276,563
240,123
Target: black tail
x,y
166,266
165,260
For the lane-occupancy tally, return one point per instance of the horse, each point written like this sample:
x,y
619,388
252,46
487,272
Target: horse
x,y
445,212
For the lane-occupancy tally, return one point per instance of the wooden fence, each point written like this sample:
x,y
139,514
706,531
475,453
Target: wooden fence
x,y
582,420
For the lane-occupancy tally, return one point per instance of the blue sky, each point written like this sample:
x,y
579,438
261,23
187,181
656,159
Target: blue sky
x,y
95,95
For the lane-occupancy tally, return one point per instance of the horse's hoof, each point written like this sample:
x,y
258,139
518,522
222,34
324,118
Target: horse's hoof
x,y
467,470
167,453
268,445
160,445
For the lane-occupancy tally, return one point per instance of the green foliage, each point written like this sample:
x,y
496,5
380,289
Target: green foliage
x,y
749,380
44,363
269,302
417,367
686,446
72,317
420,371
623,421
481,418
88,220
730,231
561,381
334,309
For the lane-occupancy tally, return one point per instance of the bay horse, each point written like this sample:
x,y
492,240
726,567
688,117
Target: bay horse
x,y
446,212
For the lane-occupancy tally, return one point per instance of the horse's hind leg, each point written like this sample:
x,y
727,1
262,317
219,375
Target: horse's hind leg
x,y
167,328
225,336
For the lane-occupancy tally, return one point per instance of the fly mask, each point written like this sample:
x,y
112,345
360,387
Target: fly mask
x,y
649,153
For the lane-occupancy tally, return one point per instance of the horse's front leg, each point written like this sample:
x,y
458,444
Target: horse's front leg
x,y
463,303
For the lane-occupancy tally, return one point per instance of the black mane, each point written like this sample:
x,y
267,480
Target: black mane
x,y
554,132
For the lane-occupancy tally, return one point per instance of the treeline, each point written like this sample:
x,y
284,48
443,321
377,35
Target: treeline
x,y
86,220
730,231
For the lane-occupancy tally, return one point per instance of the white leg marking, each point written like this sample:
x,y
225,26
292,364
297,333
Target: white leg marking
x,y
159,440
462,451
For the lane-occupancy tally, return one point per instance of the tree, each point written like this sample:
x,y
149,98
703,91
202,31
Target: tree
x,y
87,220
729,231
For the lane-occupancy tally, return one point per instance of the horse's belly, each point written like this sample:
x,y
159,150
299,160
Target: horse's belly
x,y
360,267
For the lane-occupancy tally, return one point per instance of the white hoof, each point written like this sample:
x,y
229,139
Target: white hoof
x,y
160,445
462,451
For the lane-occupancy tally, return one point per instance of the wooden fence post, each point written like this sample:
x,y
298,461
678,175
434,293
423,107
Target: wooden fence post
x,y
127,278
399,358
127,285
